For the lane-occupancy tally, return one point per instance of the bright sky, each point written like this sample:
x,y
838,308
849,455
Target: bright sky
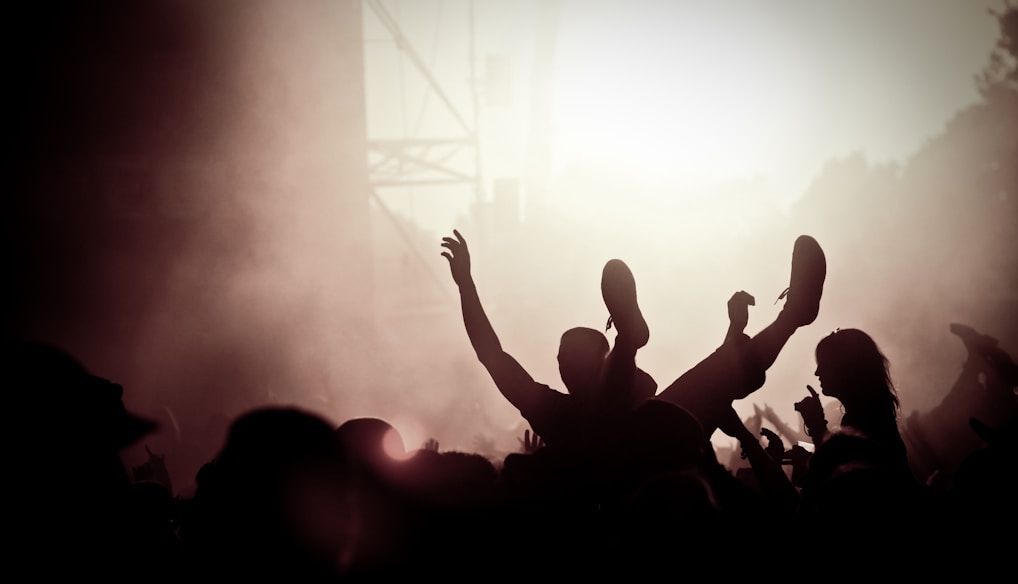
x,y
666,92
737,88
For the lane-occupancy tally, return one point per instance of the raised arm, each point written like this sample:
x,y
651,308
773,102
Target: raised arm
x,y
509,376
773,481
738,314
813,416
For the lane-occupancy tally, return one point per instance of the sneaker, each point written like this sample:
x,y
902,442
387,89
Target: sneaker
x,y
618,288
809,269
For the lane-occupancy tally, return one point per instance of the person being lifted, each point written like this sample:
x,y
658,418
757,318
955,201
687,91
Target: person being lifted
x,y
602,383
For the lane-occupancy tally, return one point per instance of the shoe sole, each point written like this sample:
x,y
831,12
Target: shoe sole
x,y
809,271
618,288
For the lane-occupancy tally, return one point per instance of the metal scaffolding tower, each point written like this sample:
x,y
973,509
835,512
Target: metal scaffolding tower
x,y
418,162
408,161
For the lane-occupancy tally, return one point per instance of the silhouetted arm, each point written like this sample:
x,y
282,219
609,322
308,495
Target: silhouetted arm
x,y
784,429
813,416
775,484
509,376
738,314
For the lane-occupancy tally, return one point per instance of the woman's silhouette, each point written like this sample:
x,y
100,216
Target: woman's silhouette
x,y
860,472
853,370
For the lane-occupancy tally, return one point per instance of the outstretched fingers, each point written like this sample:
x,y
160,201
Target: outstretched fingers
x,y
456,246
452,246
455,250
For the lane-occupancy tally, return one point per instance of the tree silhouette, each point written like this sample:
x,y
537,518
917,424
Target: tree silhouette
x,y
1001,73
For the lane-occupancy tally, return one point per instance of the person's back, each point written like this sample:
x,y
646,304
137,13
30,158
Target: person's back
x,y
66,487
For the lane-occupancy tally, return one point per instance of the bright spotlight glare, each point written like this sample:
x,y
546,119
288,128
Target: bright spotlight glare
x,y
684,100
392,444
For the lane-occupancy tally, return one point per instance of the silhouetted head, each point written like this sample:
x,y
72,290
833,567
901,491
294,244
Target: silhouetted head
x,y
273,438
51,395
450,480
55,408
581,355
276,495
852,370
373,446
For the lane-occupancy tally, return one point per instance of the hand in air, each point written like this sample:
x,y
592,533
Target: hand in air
x,y
812,411
458,256
738,310
775,448
153,469
530,443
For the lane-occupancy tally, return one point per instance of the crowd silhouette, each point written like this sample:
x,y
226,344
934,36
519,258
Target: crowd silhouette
x,y
140,168
617,477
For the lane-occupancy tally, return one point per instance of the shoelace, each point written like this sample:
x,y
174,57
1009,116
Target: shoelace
x,y
782,295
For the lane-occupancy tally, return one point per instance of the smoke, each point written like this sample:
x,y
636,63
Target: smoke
x,y
191,217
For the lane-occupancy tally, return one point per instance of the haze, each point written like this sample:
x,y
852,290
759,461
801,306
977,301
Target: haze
x,y
194,217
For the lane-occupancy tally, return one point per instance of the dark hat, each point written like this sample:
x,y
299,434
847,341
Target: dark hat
x,y
51,393
102,402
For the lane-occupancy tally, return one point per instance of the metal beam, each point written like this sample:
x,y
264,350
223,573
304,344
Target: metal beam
x,y
401,41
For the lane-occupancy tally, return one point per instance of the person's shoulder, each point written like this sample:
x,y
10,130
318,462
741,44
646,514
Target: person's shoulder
x,y
550,399
549,410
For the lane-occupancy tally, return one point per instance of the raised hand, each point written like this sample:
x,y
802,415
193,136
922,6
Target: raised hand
x,y
812,414
459,258
775,448
530,443
971,337
154,469
755,422
738,310
738,314
509,376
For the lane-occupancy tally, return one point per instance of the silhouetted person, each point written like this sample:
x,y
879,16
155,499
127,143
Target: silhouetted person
x,y
987,480
859,489
373,446
66,488
274,504
854,371
984,502
979,509
601,384
766,464
388,497
984,389
663,507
